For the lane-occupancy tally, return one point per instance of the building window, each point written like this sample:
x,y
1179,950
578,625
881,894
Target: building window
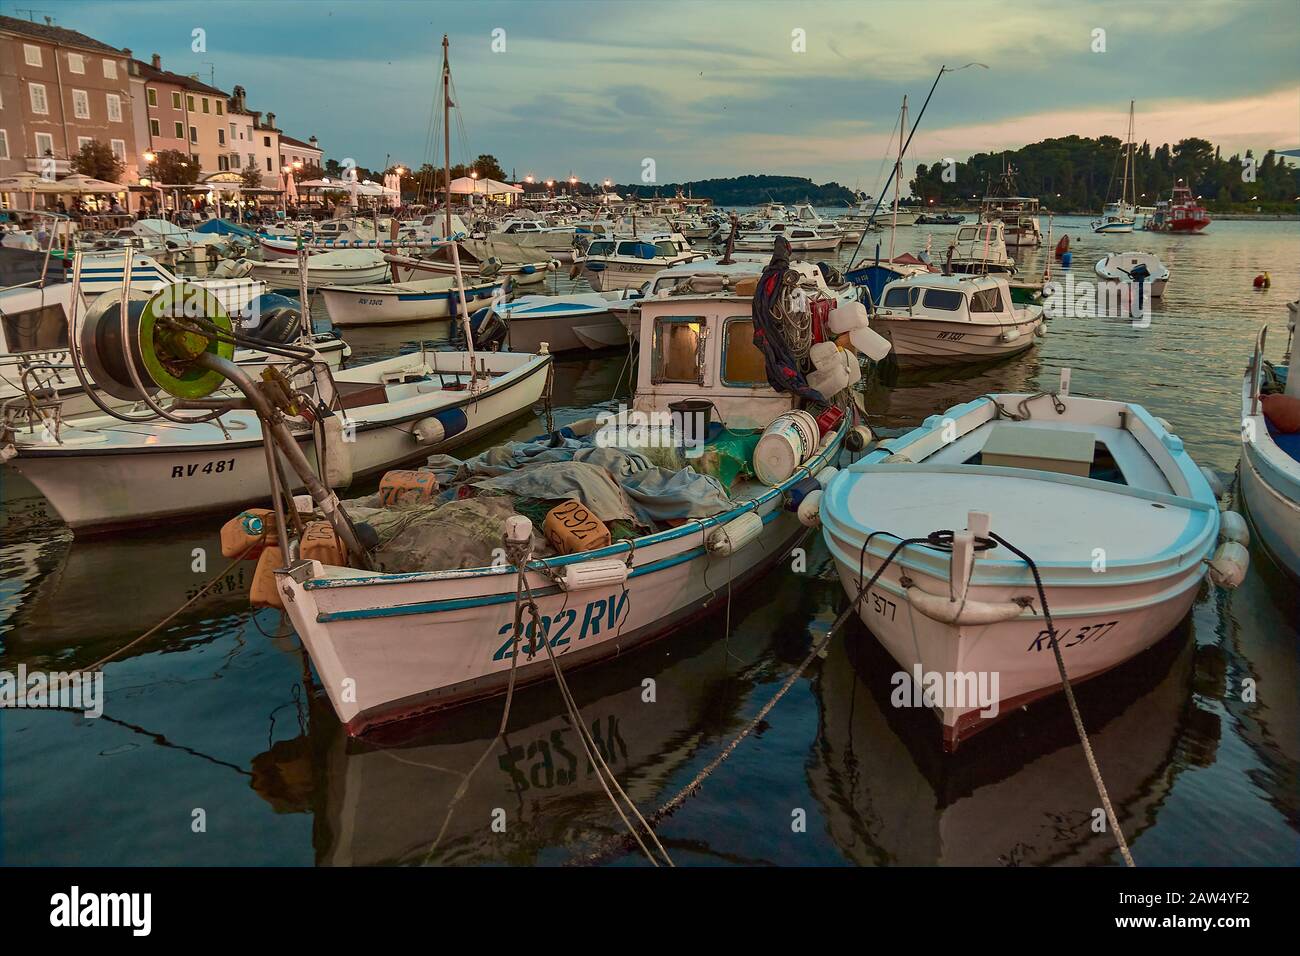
x,y
114,105
268,164
189,103
252,160
82,141
283,162
153,96
80,104
221,137
205,104
266,141
31,55
176,100
76,63
119,149
232,132
155,128
194,134
222,164
44,144
40,105
234,160
110,69
4,145
180,130
220,110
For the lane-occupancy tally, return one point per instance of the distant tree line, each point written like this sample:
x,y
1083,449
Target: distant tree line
x,y
746,190
1079,174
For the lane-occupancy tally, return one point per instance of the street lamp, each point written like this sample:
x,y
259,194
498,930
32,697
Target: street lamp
x,y
529,179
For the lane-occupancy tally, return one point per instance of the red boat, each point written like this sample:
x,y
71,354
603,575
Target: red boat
x,y
1179,213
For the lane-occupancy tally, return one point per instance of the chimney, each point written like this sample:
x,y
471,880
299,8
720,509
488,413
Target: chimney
x,y
126,52
314,143
237,100
157,61
270,121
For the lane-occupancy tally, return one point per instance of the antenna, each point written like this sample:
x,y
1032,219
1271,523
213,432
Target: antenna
x,y
212,74
31,15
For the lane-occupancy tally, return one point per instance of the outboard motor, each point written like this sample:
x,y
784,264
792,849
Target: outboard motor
x,y
1140,273
278,319
489,329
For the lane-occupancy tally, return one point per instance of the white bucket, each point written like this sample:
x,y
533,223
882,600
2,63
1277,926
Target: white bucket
x,y
786,443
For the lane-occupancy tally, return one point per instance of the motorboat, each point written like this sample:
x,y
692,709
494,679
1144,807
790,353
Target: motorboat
x,y
332,267
613,264
933,319
564,323
478,259
1143,268
422,300
801,238
980,249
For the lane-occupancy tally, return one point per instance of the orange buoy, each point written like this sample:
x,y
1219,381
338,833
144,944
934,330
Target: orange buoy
x,y
264,592
244,532
320,543
1263,281
403,487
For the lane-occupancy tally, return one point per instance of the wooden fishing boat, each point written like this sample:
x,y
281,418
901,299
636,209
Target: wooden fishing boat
x,y
101,474
393,645
479,259
420,301
933,319
1270,457
566,323
1121,524
336,267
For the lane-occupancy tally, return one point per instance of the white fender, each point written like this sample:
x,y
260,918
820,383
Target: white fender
x,y
1009,335
1233,527
1214,481
338,454
810,509
606,573
939,608
735,534
1229,565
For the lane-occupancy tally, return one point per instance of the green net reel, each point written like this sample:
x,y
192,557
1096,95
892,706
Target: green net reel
x,y
162,352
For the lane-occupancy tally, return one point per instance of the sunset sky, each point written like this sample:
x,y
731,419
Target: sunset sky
x,y
715,89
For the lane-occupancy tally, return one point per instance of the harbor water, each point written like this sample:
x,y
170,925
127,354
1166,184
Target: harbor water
x,y
215,746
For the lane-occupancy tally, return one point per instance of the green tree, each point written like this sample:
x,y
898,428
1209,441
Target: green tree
x,y
171,167
251,178
96,160
487,167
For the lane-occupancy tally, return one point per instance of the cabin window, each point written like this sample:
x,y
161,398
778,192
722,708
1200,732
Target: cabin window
x,y
986,300
743,364
901,297
943,300
666,249
679,350
601,248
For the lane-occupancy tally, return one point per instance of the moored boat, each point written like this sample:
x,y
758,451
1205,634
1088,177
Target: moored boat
x,y
1270,452
1120,523
336,267
420,301
1143,268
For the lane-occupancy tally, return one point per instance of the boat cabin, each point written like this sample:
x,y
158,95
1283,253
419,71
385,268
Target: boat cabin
x,y
950,298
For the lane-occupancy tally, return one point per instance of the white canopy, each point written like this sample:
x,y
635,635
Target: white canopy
x,y
467,185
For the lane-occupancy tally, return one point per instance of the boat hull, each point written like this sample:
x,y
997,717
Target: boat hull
x,y
384,306
409,270
1270,490
99,489
921,343
390,647
560,333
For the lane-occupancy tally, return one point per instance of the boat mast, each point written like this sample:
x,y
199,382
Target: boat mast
x,y
1126,189
446,135
898,174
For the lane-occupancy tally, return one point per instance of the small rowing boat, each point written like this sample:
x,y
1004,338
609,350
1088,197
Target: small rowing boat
x,y
422,300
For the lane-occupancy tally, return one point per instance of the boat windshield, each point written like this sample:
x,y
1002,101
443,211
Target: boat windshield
x,y
986,300
901,297
943,300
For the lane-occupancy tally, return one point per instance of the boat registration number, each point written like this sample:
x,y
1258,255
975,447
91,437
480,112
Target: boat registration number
x,y
601,614
206,468
370,302
952,336
1070,637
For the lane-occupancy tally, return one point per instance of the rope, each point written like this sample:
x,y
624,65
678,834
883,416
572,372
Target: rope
x,y
1074,705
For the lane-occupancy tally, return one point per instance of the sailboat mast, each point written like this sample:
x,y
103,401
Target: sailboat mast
x,y
898,174
1127,189
446,134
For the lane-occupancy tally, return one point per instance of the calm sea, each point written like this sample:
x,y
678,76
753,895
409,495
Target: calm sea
x,y
219,713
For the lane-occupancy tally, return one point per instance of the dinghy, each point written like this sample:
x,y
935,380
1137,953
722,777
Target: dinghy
x,y
1121,525
1139,267
420,301
337,267
479,259
933,319
1270,452
566,323
409,639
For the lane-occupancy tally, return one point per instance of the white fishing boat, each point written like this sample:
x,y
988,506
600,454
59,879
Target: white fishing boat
x,y
101,474
932,319
980,249
801,238
103,272
1136,267
613,264
1270,456
34,345
479,259
1120,523
335,267
420,301
566,323
389,645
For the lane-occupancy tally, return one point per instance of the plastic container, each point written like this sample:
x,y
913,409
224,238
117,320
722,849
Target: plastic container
x,y
830,419
248,529
320,543
402,487
691,418
786,443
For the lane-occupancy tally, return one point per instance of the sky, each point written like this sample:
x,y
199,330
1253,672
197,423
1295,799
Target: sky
x,y
723,88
